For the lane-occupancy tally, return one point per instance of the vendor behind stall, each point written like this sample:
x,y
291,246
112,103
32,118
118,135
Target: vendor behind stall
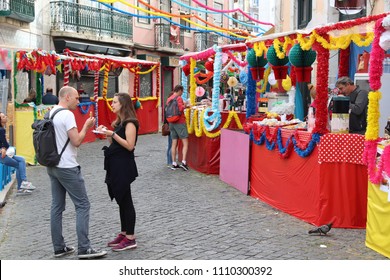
x,y
358,103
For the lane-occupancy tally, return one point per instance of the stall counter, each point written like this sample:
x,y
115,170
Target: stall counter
x,y
204,152
318,188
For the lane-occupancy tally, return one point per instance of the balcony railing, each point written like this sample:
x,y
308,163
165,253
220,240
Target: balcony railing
x,y
204,41
72,17
22,10
163,37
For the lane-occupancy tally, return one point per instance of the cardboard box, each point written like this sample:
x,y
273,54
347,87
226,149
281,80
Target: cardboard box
x,y
339,123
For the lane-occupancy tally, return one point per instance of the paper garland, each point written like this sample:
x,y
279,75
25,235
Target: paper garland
x,y
165,16
233,11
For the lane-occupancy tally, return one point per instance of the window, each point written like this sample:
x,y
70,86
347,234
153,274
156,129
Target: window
x,y
145,85
185,10
202,15
142,13
185,7
186,24
165,5
218,16
304,13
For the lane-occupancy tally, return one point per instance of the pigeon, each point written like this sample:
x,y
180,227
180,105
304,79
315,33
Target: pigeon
x,y
2,204
324,229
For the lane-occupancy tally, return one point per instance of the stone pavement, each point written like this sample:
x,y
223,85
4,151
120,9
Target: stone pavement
x,y
180,216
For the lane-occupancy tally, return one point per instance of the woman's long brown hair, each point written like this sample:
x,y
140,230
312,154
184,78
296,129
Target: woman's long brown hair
x,y
127,109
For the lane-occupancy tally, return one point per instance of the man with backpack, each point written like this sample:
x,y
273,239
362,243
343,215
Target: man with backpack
x,y
174,112
66,177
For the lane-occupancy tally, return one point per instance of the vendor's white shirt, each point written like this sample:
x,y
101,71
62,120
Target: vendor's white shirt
x,y
63,122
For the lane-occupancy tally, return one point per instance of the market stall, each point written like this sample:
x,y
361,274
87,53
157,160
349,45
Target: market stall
x,y
298,179
326,186
147,111
43,64
204,122
204,151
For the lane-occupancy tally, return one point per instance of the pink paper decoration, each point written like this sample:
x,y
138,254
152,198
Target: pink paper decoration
x,y
199,91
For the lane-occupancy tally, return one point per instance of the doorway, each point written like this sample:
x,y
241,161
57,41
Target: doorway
x,y
167,86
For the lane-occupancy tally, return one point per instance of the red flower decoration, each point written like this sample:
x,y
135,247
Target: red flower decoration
x,y
209,65
186,69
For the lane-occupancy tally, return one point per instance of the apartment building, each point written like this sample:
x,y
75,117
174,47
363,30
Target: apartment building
x,y
149,33
119,29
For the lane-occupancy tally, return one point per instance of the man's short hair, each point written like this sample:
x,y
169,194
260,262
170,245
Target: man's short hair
x,y
344,81
178,88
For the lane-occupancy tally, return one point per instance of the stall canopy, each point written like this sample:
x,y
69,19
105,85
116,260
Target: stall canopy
x,y
127,62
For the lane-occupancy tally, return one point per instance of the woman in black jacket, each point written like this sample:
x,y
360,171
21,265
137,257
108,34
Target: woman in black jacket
x,y
121,168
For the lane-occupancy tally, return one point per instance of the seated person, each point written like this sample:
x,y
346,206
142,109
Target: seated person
x,y
240,99
32,96
49,98
24,187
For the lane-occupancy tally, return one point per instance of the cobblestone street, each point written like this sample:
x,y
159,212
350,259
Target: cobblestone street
x,y
180,216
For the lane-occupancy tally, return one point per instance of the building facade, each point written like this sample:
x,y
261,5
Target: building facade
x,y
145,30
114,29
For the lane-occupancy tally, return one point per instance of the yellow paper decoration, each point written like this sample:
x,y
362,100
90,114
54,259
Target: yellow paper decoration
x,y
286,83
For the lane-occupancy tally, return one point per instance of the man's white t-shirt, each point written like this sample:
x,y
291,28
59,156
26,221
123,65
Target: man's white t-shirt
x,y
63,122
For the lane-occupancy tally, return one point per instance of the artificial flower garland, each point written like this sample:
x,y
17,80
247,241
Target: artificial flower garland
x,y
261,134
232,115
235,60
87,105
335,43
217,79
192,82
344,62
260,48
158,84
263,85
251,105
278,45
196,122
184,80
375,171
321,122
215,119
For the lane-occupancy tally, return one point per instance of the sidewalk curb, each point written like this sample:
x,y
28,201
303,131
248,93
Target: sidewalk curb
x,y
7,188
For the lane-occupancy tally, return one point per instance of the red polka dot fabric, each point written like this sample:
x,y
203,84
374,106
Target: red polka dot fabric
x,y
341,148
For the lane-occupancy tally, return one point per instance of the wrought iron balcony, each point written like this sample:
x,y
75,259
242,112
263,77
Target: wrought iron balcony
x,y
72,17
204,40
164,39
22,10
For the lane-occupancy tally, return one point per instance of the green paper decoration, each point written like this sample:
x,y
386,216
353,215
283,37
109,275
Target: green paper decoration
x,y
273,59
255,61
301,58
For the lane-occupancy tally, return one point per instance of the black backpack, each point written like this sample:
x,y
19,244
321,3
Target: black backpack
x,y
172,112
44,140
